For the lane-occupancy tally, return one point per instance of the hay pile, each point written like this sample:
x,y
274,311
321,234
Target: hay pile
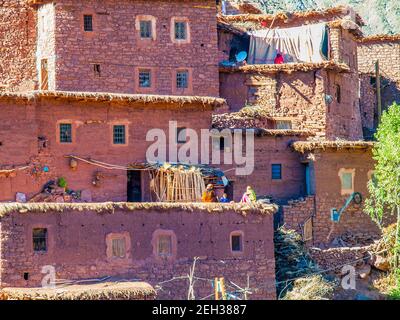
x,y
311,288
110,207
97,291
247,117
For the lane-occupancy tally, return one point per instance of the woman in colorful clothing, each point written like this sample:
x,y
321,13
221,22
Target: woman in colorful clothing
x,y
249,196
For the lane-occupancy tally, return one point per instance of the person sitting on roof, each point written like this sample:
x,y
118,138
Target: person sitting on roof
x,y
209,194
279,58
224,198
249,196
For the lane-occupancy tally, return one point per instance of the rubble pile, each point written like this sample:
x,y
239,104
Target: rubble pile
x,y
350,239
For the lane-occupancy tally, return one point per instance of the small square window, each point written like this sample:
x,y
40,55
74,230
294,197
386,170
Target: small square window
x,y
88,22
65,132
236,243
180,30
276,171
181,135
39,238
145,79
145,29
182,78
119,248
165,245
119,136
347,181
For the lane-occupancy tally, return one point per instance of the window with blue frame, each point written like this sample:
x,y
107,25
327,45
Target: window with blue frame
x,y
276,171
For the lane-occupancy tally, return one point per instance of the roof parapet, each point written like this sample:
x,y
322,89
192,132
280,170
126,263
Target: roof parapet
x,y
307,146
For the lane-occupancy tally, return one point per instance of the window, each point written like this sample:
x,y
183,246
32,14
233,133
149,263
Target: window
x,y
44,75
65,132
146,29
118,248
97,70
181,135
180,30
144,78
119,134
164,247
237,241
276,171
338,94
39,238
283,124
182,78
347,181
222,143
88,22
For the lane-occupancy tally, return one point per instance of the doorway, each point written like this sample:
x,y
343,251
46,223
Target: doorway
x,y
134,187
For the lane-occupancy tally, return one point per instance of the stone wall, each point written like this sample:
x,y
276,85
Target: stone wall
x,y
329,195
77,248
388,54
116,46
25,125
335,258
17,46
297,212
368,103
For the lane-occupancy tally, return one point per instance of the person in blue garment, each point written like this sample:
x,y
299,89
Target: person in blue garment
x,y
224,198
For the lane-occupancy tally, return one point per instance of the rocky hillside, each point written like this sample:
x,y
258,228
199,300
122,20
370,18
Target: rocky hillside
x,y
381,16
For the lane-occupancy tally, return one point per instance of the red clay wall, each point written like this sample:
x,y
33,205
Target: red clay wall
x,y
328,195
17,46
272,150
115,45
83,255
92,123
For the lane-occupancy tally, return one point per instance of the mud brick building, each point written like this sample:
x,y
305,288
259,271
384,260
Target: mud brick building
x,y
197,230
81,87
384,49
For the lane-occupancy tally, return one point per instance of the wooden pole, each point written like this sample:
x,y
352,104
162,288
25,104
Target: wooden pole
x,y
216,290
223,292
378,90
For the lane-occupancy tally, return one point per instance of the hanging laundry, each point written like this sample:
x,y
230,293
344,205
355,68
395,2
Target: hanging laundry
x,y
303,44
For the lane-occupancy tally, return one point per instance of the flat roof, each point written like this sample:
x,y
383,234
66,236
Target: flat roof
x,y
125,290
131,207
142,99
380,38
305,146
286,67
286,17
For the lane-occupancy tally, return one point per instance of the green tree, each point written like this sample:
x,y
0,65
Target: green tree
x,y
384,188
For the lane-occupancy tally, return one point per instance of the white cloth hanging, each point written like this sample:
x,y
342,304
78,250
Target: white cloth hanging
x,y
298,44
